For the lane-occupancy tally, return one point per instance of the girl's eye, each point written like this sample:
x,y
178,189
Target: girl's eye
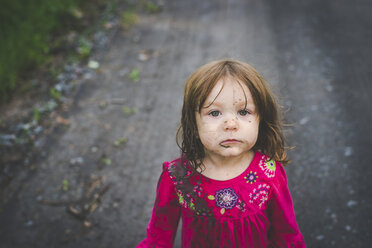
x,y
244,112
215,113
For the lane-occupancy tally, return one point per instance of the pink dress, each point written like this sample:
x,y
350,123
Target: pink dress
x,y
251,210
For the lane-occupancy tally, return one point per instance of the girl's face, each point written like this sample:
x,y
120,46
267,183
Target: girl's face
x,y
228,122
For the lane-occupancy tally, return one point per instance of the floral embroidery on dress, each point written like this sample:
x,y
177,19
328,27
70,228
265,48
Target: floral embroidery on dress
x,y
225,199
240,205
189,195
186,203
268,166
251,177
260,194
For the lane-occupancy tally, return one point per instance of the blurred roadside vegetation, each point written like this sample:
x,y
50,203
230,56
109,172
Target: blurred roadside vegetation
x,y
32,31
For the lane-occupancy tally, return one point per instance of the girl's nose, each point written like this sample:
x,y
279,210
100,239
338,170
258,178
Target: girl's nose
x,y
231,124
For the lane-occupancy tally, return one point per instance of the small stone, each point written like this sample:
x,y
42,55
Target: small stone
x,y
348,151
143,56
29,223
304,120
78,160
348,228
87,224
351,203
94,149
38,129
319,237
93,64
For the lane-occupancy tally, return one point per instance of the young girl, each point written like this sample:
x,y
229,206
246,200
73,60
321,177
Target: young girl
x,y
229,186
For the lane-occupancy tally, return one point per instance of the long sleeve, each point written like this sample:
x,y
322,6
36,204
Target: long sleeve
x,y
284,231
162,227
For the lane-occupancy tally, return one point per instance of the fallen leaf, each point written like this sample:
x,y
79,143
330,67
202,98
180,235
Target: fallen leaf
x,y
65,185
87,224
120,141
106,161
92,64
134,75
62,120
75,212
128,110
144,55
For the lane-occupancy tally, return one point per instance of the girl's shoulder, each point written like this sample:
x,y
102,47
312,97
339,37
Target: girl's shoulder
x,y
178,168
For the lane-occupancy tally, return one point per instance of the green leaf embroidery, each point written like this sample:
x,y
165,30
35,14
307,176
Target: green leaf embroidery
x,y
180,198
192,206
211,197
223,211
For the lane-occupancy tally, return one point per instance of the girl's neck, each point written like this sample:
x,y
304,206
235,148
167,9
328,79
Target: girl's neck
x,y
224,168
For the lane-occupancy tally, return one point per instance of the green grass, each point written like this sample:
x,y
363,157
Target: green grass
x,y
128,19
26,27
152,7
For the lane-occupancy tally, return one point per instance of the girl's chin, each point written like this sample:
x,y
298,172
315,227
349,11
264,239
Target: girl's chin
x,y
231,153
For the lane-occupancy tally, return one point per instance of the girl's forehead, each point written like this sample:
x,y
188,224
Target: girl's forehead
x,y
229,87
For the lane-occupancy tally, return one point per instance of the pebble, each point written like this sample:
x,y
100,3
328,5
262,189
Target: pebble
x,y
78,160
351,203
94,149
93,64
29,223
348,228
304,120
348,151
7,139
334,216
319,237
38,129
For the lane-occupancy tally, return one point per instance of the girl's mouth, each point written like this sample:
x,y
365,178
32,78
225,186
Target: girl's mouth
x,y
229,141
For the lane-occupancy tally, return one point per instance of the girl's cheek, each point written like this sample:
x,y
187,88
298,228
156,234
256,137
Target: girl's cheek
x,y
209,139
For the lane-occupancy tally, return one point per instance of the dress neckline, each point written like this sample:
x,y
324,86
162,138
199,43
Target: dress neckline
x,y
254,161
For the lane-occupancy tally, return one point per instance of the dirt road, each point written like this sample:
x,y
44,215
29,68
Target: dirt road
x,y
315,54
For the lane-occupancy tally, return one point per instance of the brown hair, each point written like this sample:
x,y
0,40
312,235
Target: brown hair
x,y
198,86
